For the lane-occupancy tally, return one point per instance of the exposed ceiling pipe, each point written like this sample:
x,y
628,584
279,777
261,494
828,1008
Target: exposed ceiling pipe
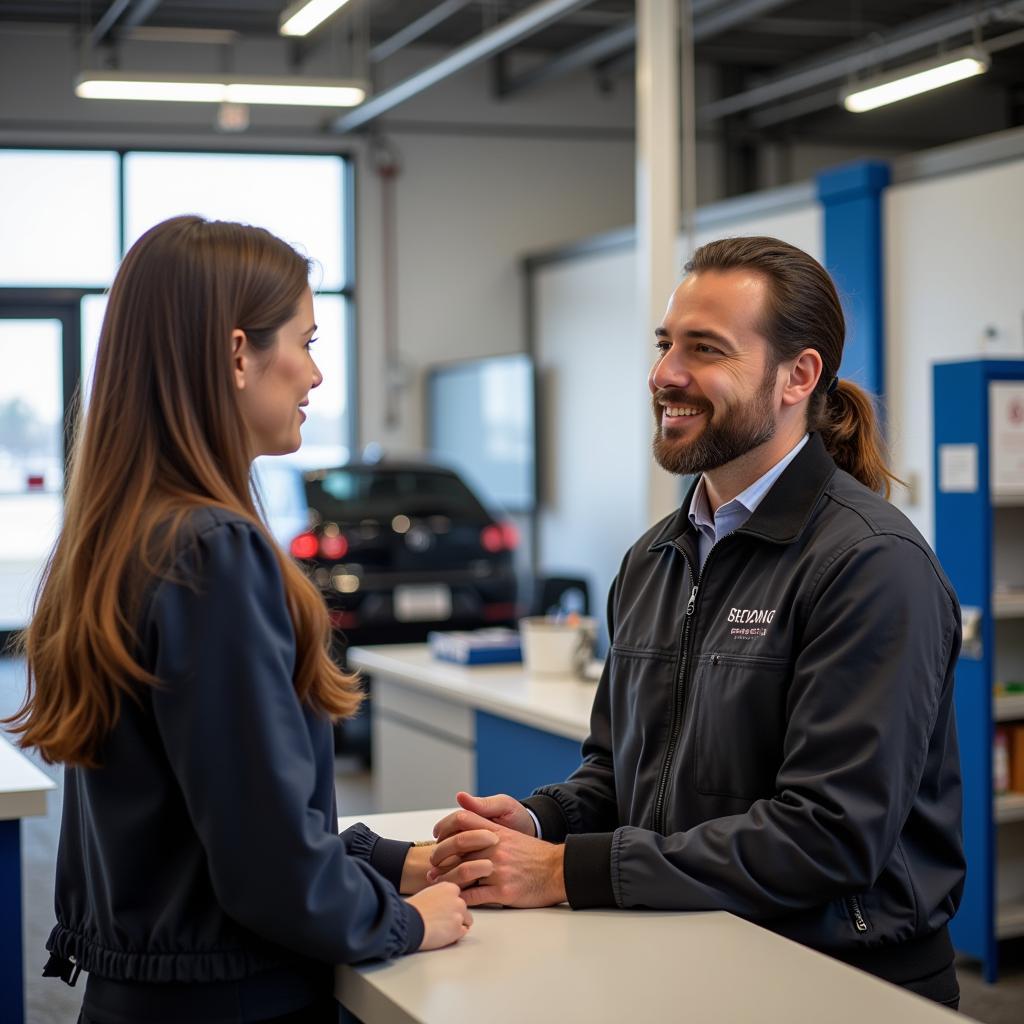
x,y
838,64
509,32
727,16
139,13
717,18
778,113
107,20
421,26
605,44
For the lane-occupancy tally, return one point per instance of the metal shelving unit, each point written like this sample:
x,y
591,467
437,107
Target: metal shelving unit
x,y
979,538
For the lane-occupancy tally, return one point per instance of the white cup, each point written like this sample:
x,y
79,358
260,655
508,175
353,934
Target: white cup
x,y
559,648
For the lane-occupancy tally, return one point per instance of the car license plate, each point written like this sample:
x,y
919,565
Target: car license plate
x,y
426,603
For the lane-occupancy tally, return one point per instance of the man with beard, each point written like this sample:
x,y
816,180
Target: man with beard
x,y
773,733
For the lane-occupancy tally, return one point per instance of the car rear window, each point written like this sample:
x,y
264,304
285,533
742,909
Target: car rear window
x,y
351,495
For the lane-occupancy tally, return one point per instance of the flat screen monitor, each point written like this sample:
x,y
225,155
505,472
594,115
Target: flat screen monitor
x,y
481,421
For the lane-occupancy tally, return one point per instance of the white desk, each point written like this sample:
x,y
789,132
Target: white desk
x,y
615,966
23,789
496,728
555,704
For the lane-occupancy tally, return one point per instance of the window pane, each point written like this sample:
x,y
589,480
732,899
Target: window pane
x,y
31,468
93,308
58,217
298,198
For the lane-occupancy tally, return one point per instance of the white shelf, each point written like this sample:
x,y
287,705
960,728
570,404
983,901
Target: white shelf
x,y
1008,605
1010,807
1009,920
1008,500
1006,709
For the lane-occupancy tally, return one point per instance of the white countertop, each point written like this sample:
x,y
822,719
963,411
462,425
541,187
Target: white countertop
x,y
615,966
23,787
556,704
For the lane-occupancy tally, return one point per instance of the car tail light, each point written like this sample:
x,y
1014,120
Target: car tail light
x,y
304,546
499,537
510,534
343,620
333,548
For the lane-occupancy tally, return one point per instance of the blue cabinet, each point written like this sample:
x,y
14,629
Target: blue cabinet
x,y
516,759
979,538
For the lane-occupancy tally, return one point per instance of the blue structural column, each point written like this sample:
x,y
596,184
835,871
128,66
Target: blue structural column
x,y
851,196
12,995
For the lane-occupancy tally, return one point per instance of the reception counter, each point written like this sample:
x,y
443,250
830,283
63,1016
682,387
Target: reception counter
x,y
23,789
483,728
615,966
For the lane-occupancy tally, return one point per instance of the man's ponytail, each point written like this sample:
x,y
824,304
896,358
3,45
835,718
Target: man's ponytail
x,y
848,424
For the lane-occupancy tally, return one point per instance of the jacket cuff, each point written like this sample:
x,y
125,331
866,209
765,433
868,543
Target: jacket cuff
x,y
554,828
388,857
414,928
588,870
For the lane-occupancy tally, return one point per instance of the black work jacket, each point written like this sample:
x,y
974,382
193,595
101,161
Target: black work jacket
x,y
204,852
774,734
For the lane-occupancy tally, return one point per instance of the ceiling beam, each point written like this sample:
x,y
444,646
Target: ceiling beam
x,y
716,18
839,64
499,38
841,28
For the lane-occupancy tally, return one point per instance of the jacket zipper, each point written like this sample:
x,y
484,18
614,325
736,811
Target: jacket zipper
x,y
679,703
658,818
860,922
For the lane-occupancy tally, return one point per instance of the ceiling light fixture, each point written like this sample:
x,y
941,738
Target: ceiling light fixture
x,y
299,19
194,88
904,82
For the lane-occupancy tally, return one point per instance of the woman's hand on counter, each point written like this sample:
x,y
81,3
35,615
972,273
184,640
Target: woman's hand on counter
x,y
501,810
445,915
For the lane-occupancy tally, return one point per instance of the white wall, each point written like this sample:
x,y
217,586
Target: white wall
x,y
467,209
595,414
954,267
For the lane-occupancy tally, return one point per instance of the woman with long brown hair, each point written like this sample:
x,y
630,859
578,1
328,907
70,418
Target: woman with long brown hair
x,y
178,666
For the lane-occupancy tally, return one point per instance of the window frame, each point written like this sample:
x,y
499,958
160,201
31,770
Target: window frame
x,y
63,296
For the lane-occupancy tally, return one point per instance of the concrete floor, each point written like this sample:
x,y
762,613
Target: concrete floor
x,y
51,1002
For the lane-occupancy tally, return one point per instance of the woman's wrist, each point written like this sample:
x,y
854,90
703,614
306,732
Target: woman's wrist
x,y
414,870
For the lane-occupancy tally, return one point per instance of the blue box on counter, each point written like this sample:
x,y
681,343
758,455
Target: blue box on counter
x,y
476,647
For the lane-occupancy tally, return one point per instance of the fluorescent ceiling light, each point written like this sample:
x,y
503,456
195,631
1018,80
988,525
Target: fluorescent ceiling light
x,y
911,81
301,18
280,91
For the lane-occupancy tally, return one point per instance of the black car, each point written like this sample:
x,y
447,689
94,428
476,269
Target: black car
x,y
400,548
